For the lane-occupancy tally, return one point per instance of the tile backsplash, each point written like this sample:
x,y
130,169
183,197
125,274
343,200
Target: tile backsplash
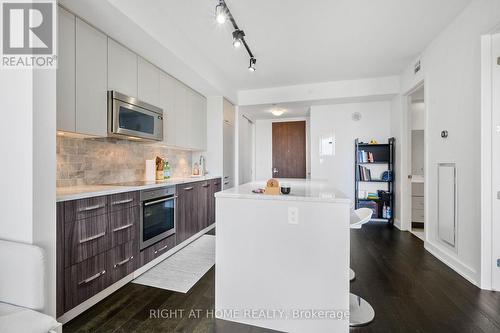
x,y
85,161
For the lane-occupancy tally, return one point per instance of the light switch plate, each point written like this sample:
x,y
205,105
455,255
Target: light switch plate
x,y
293,215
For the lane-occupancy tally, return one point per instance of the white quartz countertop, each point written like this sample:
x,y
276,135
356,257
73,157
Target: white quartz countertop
x,y
88,191
301,190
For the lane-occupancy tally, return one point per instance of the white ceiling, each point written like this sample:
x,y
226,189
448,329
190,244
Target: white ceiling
x,y
296,42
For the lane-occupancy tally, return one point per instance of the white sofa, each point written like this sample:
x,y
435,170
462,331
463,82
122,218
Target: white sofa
x,y
22,287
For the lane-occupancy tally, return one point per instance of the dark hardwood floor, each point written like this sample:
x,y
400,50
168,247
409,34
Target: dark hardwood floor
x,y
410,290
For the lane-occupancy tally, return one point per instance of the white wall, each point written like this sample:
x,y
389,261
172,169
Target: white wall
x,y
397,122
245,130
418,116
451,69
417,152
264,146
16,149
215,121
28,168
337,119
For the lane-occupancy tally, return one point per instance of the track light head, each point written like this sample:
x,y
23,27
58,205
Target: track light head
x,y
238,38
251,68
221,13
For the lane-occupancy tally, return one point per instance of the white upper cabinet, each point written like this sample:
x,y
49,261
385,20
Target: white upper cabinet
x,y
181,115
122,69
167,84
197,121
148,84
66,71
91,80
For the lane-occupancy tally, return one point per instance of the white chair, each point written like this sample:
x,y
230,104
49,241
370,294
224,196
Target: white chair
x,y
22,288
360,311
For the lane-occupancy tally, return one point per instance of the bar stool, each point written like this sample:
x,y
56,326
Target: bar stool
x,y
360,311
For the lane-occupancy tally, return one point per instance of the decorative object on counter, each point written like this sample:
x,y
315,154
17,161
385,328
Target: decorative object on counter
x,y
159,168
196,169
150,171
272,187
166,170
202,164
373,142
259,191
285,188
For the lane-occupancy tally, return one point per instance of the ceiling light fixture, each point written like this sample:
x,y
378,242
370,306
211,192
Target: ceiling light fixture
x,y
277,112
222,14
237,38
252,68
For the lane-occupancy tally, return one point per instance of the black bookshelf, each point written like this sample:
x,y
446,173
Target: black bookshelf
x,y
382,154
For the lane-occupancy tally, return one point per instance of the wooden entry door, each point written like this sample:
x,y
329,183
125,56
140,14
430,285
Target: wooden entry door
x,y
289,149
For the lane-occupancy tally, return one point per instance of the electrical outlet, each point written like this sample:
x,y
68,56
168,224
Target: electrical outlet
x,y
293,215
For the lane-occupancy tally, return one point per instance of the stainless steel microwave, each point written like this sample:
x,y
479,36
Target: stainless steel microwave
x,y
129,117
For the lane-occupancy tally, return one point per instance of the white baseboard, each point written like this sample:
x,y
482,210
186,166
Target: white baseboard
x,y
397,224
454,263
79,309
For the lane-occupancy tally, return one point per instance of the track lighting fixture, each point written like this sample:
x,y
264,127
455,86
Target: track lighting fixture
x,y
237,38
222,14
251,68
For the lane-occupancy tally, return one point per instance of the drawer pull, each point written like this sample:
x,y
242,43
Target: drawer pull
x,y
121,202
123,227
90,208
225,183
206,185
91,238
92,278
188,188
123,262
161,249
217,184
226,177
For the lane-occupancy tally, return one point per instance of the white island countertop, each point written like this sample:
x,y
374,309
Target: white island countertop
x,y
88,191
301,190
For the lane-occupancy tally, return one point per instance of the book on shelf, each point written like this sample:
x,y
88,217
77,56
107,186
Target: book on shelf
x,y
365,157
364,173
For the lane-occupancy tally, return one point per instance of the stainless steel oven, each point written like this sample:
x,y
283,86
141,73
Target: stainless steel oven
x,y
129,117
157,215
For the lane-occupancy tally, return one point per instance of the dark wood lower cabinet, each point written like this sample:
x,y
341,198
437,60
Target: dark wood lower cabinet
x,y
122,261
98,238
85,238
84,280
156,250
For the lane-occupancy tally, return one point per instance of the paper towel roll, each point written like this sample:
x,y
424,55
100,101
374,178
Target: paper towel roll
x,y
150,170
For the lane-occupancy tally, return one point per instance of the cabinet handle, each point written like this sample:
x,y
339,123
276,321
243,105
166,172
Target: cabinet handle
x,y
217,184
149,203
123,262
161,249
91,238
226,177
206,185
89,208
92,278
123,227
188,188
121,202
225,183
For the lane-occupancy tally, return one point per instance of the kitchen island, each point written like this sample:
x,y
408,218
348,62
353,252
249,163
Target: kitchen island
x,y
282,261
